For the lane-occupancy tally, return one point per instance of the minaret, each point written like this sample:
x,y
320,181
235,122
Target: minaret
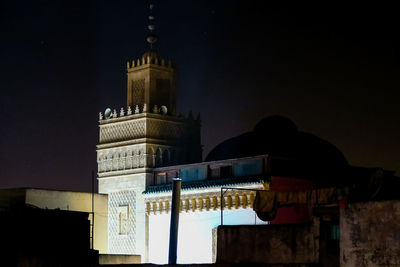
x,y
135,139
151,80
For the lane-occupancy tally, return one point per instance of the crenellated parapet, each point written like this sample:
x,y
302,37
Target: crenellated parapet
x,y
149,58
113,115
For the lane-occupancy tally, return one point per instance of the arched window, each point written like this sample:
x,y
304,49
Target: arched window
x,y
150,157
172,158
140,159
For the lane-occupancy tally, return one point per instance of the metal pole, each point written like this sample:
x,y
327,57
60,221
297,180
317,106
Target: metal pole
x,y
92,209
222,209
173,230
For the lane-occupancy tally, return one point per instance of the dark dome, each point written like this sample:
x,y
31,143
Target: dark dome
x,y
279,123
279,136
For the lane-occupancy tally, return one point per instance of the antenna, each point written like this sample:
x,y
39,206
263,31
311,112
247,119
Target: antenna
x,y
151,38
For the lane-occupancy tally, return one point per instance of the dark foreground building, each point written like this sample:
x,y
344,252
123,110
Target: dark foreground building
x,y
38,237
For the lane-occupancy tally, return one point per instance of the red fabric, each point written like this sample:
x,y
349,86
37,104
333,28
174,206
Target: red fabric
x,y
298,213
343,203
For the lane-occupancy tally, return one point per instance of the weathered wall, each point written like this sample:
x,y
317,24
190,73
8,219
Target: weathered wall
x,y
268,244
370,234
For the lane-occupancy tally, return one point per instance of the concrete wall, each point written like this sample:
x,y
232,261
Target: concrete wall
x,y
370,234
268,244
75,201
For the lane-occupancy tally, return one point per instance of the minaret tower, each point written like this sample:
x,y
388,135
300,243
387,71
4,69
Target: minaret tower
x,y
135,139
151,80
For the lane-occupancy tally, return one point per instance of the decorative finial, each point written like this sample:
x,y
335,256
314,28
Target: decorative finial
x,y
129,111
151,38
155,109
137,109
100,116
122,112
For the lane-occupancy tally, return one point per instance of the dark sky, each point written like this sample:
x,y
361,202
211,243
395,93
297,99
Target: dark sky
x,y
332,68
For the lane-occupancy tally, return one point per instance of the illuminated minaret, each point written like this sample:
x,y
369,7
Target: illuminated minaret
x,y
151,80
135,139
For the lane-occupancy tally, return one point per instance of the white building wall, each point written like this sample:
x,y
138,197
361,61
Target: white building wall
x,y
125,191
194,233
122,229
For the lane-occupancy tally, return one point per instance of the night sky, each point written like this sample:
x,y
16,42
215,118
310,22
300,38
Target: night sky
x,y
332,68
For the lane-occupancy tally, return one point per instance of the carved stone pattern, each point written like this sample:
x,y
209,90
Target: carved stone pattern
x,y
121,244
165,130
138,92
123,160
122,132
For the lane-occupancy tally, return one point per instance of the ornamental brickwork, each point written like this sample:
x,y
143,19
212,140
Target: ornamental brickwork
x,y
145,125
121,210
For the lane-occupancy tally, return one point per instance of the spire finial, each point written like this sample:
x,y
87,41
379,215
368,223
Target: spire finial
x,y
151,38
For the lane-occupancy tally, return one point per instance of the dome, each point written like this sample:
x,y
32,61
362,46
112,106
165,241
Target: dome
x,y
279,123
152,54
279,136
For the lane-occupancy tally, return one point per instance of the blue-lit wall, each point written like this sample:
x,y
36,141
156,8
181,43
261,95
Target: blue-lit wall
x,y
195,233
249,167
193,174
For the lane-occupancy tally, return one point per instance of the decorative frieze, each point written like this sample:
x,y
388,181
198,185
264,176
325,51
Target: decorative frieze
x,y
144,127
199,203
142,109
132,157
132,129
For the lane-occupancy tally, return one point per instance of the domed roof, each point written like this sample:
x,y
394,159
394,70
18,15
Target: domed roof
x,y
279,123
279,136
152,54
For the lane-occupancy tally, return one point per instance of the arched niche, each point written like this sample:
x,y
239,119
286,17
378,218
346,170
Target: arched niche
x,y
165,158
158,159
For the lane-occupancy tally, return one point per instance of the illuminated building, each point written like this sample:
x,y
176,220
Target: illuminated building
x,y
146,144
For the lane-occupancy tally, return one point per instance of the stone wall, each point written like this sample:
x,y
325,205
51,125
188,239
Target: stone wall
x,y
269,244
370,234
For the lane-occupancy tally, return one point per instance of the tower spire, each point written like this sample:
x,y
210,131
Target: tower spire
x,y
151,38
